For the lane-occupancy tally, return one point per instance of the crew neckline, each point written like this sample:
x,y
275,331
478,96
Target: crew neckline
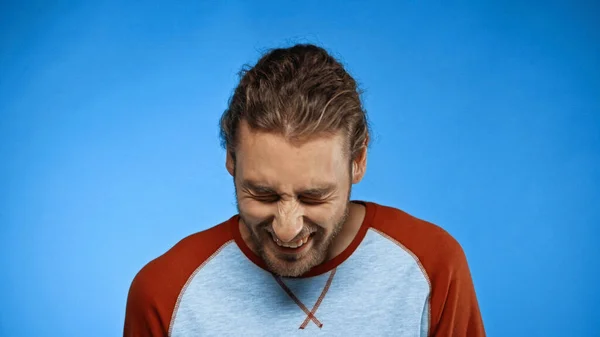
x,y
370,209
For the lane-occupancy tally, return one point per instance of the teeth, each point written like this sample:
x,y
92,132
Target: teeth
x,y
296,244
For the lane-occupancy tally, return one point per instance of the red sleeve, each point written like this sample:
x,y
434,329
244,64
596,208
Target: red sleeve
x,y
453,307
144,315
154,293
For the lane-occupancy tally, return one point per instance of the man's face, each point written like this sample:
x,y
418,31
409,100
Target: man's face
x,y
292,198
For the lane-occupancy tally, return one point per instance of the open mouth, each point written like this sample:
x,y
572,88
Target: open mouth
x,y
293,247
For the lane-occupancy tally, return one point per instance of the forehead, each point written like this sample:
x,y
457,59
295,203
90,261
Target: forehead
x,y
270,159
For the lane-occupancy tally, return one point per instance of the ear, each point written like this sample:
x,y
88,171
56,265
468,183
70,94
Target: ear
x,y
359,165
230,163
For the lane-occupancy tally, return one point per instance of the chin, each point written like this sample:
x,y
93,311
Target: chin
x,y
292,266
288,269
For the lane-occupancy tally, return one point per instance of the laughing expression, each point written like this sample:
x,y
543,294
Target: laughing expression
x,y
292,198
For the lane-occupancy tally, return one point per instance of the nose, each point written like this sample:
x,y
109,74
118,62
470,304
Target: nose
x,y
288,221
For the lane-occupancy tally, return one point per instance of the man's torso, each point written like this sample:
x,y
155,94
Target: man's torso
x,y
395,278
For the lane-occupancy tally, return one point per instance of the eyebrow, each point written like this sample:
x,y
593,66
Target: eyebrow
x,y
257,188
318,192
313,192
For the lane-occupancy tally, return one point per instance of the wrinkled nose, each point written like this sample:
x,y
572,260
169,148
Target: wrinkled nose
x,y
288,221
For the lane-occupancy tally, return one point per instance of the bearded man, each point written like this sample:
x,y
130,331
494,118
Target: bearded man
x,y
301,258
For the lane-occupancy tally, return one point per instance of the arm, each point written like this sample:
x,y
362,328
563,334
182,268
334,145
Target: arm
x,y
142,315
457,309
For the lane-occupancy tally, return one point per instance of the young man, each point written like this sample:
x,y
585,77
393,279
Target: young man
x,y
301,258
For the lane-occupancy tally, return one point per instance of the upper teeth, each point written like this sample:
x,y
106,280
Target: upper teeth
x,y
291,244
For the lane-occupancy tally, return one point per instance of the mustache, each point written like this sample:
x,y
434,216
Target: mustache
x,y
308,228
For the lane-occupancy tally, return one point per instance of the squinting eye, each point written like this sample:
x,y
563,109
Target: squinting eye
x,y
266,199
311,202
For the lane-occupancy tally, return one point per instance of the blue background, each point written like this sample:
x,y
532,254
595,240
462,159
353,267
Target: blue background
x,y
486,121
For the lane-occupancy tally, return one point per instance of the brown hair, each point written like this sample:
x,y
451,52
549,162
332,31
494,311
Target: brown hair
x,y
298,92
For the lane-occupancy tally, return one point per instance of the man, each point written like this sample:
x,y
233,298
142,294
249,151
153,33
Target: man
x,y
301,258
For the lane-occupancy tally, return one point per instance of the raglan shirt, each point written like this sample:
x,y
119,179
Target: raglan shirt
x,y
400,276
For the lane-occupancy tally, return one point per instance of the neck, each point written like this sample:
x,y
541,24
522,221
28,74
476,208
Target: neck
x,y
356,215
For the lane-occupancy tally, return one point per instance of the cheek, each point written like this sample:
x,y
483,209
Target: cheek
x,y
325,217
322,215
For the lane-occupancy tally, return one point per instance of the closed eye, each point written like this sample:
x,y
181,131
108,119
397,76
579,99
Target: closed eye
x,y
311,202
267,199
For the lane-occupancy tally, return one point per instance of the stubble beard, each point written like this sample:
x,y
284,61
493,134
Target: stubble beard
x,y
291,265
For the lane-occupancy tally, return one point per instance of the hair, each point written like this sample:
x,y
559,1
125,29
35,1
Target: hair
x,y
298,92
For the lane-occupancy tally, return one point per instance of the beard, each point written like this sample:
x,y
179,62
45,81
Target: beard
x,y
293,264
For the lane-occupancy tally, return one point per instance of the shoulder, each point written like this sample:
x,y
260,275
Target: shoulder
x,y
185,256
438,252
156,287
452,304
173,268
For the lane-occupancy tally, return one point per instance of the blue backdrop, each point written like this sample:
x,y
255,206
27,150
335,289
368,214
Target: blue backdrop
x,y
486,121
